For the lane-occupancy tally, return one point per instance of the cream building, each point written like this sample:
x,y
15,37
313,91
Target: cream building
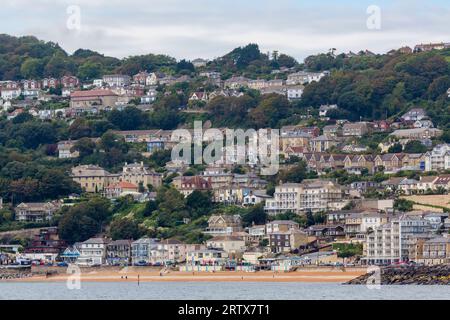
x,y
228,243
95,179
137,173
91,178
310,195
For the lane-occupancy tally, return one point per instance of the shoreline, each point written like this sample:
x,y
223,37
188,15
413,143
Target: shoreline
x,y
336,276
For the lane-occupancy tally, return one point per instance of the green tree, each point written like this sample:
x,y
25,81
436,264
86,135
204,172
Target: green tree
x,y
125,229
199,203
415,146
130,118
403,205
31,68
255,214
90,70
76,227
85,147
396,148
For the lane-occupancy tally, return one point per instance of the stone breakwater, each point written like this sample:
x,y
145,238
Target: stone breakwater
x,y
15,273
418,275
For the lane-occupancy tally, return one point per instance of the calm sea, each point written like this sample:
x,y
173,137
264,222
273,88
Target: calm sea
x,y
217,290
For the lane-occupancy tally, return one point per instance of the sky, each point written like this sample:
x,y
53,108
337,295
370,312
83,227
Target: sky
x,y
211,28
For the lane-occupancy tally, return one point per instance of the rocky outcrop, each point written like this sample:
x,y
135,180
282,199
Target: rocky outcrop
x,y
14,272
421,275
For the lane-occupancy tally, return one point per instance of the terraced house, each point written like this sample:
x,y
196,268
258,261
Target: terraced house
x,y
118,252
358,163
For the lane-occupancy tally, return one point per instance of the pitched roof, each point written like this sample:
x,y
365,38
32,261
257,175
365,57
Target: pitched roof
x,y
119,242
123,185
226,238
427,179
96,241
288,222
92,93
443,179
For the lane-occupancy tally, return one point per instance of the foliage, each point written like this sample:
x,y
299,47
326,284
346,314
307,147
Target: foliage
x,y
403,205
84,220
346,250
125,229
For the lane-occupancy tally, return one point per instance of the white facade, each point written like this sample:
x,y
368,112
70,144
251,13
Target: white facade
x,y
92,252
98,83
310,195
294,93
117,80
438,158
10,94
302,77
323,110
390,243
150,97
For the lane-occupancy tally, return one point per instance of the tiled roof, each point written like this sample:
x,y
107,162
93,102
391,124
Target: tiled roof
x,y
92,93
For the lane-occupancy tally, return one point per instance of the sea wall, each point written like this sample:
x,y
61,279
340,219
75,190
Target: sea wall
x,y
393,275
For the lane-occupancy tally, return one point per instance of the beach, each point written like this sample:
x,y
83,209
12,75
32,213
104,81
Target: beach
x,y
139,274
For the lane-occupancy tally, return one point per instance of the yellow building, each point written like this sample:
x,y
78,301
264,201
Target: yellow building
x,y
95,179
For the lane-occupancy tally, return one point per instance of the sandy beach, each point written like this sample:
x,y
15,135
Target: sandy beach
x,y
135,275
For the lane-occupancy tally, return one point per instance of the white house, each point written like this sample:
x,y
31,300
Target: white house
x,y
295,92
9,94
302,77
414,114
438,158
117,80
150,97
93,252
424,123
199,62
323,110
97,83
228,243
31,93
65,150
255,197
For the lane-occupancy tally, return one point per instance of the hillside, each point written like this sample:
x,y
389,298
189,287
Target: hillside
x,y
383,86
28,57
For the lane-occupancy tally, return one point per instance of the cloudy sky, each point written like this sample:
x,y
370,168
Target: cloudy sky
x,y
210,28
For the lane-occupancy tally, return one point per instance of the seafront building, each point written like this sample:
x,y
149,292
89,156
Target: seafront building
x,y
390,243
308,196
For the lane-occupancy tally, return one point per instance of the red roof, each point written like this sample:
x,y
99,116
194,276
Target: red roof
x,y
195,182
92,93
123,185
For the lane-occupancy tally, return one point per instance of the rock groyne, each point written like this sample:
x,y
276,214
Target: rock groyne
x,y
9,273
398,275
